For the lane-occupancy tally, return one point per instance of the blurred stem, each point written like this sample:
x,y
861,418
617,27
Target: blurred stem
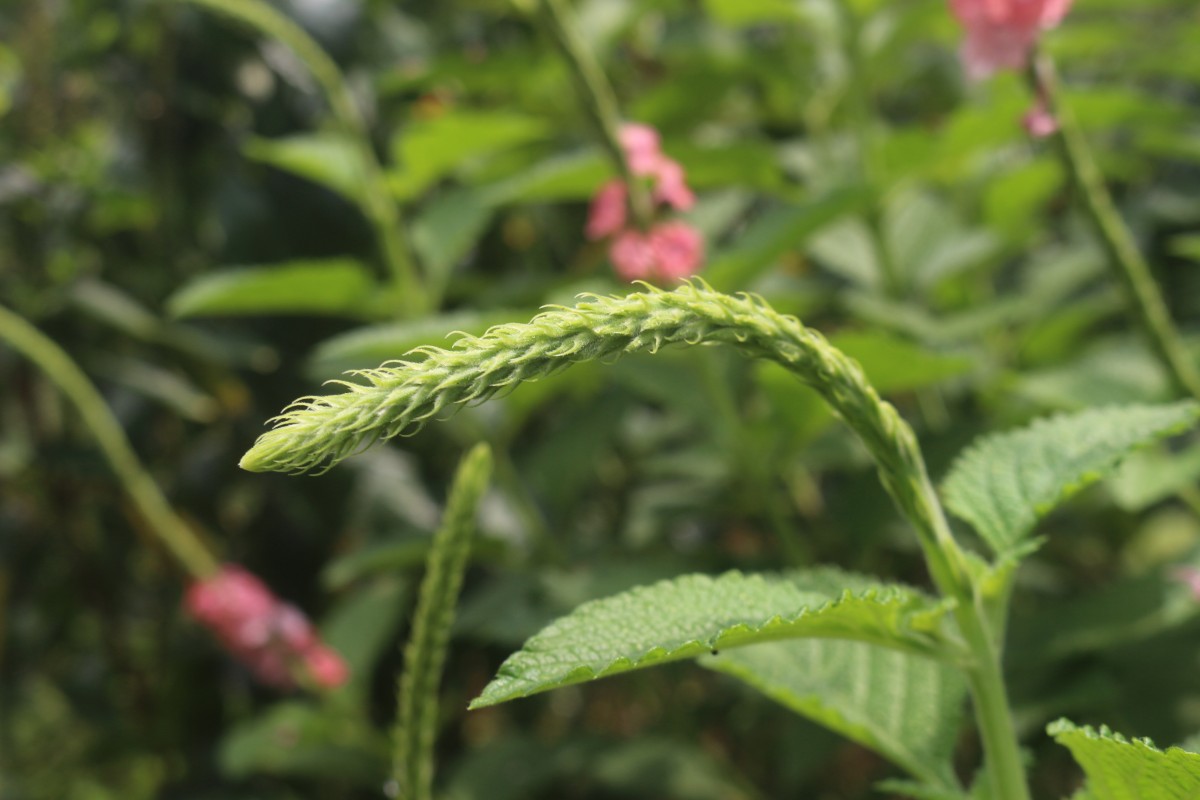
x,y
866,125
375,197
425,654
1143,295
172,531
598,98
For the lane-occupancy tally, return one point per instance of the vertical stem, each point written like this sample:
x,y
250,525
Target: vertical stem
x,y
425,654
1144,297
985,675
598,98
375,197
172,531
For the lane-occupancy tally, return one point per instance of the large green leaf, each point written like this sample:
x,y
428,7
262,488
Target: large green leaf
x,y
1004,483
697,614
1122,769
328,159
907,708
339,286
427,150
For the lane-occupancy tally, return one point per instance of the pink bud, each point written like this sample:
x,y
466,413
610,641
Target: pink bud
x,y
632,255
325,666
1001,33
670,185
678,250
642,147
1039,122
274,639
670,251
607,213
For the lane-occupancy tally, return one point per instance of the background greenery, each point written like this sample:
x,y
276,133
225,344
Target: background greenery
x,y
845,171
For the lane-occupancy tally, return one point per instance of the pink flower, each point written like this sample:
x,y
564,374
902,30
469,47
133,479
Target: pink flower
x,y
273,638
1001,33
1038,121
607,213
669,251
642,145
671,185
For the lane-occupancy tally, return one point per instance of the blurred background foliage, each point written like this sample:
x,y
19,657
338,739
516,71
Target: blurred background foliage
x,y
180,210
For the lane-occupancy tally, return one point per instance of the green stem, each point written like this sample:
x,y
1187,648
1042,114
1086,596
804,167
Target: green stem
x,y
599,100
425,655
985,673
172,531
375,197
1144,297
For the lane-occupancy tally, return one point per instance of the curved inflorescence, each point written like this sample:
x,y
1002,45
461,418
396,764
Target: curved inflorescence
x,y
314,433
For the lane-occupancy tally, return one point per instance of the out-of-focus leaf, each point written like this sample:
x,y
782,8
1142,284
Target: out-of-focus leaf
x,y
1110,372
326,159
906,708
783,228
361,625
894,365
697,614
1003,483
1125,611
298,739
427,150
1118,768
515,768
370,346
171,389
751,12
1147,477
571,176
448,228
340,287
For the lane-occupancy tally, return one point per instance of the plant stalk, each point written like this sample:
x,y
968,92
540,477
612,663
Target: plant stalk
x,y
1126,260
172,531
375,197
598,98
985,673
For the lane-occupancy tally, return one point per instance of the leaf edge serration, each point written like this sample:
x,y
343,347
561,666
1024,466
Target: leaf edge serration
x,y
921,613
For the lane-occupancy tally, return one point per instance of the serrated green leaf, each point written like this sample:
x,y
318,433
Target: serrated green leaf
x,y
1004,483
338,286
905,707
1118,768
697,614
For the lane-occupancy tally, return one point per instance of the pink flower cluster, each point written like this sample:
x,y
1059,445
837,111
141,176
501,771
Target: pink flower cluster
x,y
1001,33
273,638
669,250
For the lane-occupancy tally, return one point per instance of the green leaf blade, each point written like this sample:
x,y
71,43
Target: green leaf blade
x,y
697,614
1004,483
336,286
1118,768
905,707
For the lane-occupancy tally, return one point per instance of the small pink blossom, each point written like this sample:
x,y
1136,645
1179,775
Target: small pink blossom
x,y
607,213
1001,33
641,144
669,251
1039,122
671,187
273,638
